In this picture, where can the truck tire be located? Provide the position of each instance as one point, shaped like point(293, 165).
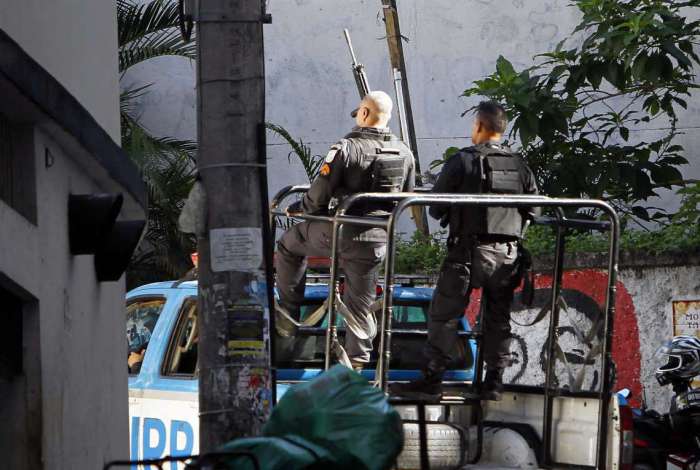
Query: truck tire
point(447, 446)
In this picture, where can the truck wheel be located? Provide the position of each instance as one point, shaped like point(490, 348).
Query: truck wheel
point(447, 446)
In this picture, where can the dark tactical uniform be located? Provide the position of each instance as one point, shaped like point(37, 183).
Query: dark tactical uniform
point(367, 159)
point(482, 250)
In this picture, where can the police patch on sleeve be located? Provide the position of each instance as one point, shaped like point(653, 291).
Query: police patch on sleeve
point(331, 153)
point(325, 169)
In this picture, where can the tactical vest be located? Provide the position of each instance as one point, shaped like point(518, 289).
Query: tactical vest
point(377, 164)
point(491, 170)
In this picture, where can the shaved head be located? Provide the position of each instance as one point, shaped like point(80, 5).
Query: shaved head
point(375, 110)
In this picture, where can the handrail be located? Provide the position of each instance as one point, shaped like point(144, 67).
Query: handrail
point(406, 200)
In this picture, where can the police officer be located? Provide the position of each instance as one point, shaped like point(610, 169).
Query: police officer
point(482, 250)
point(368, 159)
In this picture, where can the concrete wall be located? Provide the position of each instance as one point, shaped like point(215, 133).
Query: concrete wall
point(67, 38)
point(310, 88)
point(643, 321)
point(84, 410)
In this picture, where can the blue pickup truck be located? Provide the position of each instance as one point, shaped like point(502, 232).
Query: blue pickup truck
point(162, 332)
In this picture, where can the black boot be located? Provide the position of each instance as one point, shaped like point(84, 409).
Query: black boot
point(428, 387)
point(492, 389)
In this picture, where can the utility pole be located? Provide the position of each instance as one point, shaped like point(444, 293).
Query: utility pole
point(403, 99)
point(235, 382)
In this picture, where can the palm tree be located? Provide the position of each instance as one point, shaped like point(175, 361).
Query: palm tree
point(146, 31)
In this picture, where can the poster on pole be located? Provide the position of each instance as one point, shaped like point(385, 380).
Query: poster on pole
point(236, 249)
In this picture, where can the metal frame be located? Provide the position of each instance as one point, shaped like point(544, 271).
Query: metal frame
point(406, 200)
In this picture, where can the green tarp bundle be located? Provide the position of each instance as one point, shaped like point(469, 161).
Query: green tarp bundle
point(336, 420)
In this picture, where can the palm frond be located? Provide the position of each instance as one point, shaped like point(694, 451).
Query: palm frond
point(136, 20)
point(164, 43)
point(149, 151)
point(127, 98)
point(311, 163)
point(167, 164)
point(149, 30)
point(169, 172)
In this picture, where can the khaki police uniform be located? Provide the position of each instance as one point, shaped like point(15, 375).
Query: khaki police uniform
point(481, 253)
point(366, 160)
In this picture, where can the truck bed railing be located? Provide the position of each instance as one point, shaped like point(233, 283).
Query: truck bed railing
point(560, 223)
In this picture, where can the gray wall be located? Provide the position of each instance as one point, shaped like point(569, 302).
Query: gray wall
point(79, 335)
point(69, 408)
point(310, 88)
point(67, 38)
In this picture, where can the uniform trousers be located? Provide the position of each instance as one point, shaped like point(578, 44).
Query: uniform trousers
point(359, 261)
point(472, 263)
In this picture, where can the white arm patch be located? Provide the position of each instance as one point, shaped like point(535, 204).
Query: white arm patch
point(331, 153)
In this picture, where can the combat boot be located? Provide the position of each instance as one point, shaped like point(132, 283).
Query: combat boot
point(492, 388)
point(428, 387)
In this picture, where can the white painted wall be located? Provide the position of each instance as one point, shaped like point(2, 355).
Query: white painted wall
point(67, 38)
point(310, 87)
point(82, 350)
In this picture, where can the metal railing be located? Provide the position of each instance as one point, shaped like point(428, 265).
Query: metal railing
point(404, 201)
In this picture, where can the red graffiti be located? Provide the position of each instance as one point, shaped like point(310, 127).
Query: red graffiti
point(625, 349)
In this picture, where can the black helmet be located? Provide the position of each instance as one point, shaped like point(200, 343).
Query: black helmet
point(681, 360)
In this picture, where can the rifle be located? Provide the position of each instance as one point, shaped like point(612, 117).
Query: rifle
point(357, 69)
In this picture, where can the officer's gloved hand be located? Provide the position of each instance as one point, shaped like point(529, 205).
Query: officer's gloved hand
point(295, 209)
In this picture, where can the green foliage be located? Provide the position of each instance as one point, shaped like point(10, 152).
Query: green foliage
point(682, 234)
point(421, 254)
point(168, 165)
point(445, 156)
point(631, 64)
point(310, 162)
point(149, 30)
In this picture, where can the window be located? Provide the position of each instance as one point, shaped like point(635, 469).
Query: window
point(181, 358)
point(17, 179)
point(141, 317)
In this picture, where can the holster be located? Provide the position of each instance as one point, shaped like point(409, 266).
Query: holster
point(523, 272)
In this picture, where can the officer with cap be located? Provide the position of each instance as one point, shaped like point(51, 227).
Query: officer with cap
point(482, 251)
point(368, 159)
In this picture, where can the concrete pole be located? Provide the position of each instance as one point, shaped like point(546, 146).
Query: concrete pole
point(235, 384)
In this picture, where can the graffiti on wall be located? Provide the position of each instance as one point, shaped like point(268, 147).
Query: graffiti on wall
point(579, 331)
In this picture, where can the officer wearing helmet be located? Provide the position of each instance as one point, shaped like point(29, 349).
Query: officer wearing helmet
point(482, 252)
point(368, 159)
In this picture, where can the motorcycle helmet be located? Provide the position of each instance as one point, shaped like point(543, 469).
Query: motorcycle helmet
point(680, 358)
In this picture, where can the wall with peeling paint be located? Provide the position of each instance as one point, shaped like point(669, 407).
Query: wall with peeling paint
point(643, 320)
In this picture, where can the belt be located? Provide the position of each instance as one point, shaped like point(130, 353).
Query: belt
point(494, 238)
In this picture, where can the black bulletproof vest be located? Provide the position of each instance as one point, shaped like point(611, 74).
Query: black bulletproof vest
point(377, 163)
point(490, 170)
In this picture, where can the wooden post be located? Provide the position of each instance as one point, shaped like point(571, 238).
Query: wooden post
point(403, 99)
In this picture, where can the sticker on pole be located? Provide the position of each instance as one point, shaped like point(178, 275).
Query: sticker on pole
point(236, 249)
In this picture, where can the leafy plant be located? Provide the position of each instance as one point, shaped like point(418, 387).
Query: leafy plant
point(420, 254)
point(575, 112)
point(310, 162)
point(146, 31)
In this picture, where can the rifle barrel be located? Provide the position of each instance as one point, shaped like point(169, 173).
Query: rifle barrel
point(352, 52)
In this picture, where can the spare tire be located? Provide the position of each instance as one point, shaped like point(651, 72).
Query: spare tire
point(447, 446)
